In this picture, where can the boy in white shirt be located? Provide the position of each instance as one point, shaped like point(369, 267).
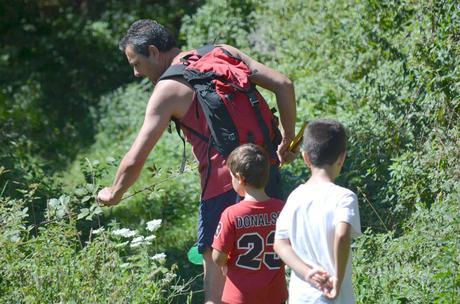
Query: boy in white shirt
point(319, 219)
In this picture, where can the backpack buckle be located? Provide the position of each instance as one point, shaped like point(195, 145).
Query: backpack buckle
point(254, 100)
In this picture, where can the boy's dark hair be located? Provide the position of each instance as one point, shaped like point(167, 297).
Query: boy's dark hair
point(145, 32)
point(324, 141)
point(251, 162)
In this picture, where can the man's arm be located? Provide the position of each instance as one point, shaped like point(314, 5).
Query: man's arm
point(283, 89)
point(315, 276)
point(170, 98)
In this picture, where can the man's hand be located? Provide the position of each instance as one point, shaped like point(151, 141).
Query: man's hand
point(284, 154)
point(107, 198)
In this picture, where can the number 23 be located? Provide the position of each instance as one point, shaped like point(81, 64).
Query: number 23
point(254, 245)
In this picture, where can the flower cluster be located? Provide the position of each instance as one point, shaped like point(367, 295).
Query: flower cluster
point(153, 225)
point(124, 232)
point(160, 257)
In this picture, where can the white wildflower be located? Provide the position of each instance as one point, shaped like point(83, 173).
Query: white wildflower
point(178, 288)
point(150, 238)
point(134, 245)
point(169, 276)
point(125, 265)
point(138, 239)
point(122, 244)
point(15, 237)
point(98, 231)
point(125, 232)
point(159, 257)
point(136, 242)
point(153, 225)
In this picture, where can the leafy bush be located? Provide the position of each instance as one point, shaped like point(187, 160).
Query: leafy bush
point(57, 261)
point(421, 266)
point(57, 59)
point(161, 191)
point(217, 22)
point(387, 70)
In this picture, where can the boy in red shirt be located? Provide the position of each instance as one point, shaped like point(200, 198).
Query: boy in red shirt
point(244, 237)
point(243, 243)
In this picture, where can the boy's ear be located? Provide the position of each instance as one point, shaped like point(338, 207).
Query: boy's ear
point(342, 158)
point(239, 178)
point(306, 159)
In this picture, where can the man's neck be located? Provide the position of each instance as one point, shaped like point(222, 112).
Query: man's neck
point(169, 56)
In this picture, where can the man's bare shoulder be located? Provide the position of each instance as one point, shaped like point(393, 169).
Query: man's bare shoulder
point(173, 88)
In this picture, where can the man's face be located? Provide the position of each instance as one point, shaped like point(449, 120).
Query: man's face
point(142, 66)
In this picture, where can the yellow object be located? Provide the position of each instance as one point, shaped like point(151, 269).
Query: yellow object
point(297, 139)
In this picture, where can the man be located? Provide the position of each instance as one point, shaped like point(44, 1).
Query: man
point(151, 50)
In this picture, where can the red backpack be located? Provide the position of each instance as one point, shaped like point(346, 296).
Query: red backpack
point(236, 113)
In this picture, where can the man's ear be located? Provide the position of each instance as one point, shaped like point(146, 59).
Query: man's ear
point(154, 51)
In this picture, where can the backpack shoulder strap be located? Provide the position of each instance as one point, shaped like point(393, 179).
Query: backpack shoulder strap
point(251, 93)
point(173, 71)
point(205, 49)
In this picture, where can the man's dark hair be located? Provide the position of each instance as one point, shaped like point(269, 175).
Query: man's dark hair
point(324, 141)
point(145, 32)
point(251, 162)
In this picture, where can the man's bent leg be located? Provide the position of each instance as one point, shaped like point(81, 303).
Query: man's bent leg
point(213, 280)
point(209, 216)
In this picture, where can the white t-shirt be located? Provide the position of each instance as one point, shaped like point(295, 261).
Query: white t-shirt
point(308, 220)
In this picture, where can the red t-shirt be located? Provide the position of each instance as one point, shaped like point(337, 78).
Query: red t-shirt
point(255, 274)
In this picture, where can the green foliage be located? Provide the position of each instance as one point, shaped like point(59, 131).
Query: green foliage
point(218, 21)
point(56, 261)
point(56, 59)
point(387, 69)
point(421, 266)
point(161, 191)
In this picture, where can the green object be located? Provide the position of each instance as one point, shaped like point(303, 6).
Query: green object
point(194, 256)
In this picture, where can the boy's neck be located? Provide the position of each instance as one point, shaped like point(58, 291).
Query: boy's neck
point(255, 194)
point(321, 175)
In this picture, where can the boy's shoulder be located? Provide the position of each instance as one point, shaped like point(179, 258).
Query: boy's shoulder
point(329, 189)
point(342, 191)
point(247, 206)
point(275, 201)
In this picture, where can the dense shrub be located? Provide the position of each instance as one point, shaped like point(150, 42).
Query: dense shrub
point(420, 266)
point(56, 59)
point(388, 71)
point(57, 261)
